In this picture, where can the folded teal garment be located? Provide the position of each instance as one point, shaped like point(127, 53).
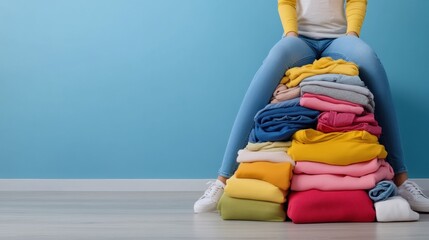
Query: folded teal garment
point(383, 190)
point(244, 209)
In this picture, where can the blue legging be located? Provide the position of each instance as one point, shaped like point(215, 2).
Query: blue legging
point(292, 52)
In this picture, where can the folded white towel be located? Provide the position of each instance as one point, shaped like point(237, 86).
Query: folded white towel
point(395, 209)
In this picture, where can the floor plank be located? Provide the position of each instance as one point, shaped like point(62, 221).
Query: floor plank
point(162, 215)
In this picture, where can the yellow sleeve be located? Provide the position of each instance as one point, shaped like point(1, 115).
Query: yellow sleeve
point(287, 12)
point(355, 13)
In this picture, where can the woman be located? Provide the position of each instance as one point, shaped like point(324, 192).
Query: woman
point(315, 29)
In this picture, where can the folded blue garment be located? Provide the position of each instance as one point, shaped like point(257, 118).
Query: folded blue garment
point(383, 190)
point(279, 121)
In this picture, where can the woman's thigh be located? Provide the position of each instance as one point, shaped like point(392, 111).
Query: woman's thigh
point(372, 72)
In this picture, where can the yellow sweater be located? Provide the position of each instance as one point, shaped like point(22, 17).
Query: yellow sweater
point(254, 189)
point(355, 15)
point(336, 148)
point(278, 174)
point(323, 65)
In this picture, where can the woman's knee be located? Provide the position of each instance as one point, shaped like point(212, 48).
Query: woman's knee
point(353, 49)
point(289, 51)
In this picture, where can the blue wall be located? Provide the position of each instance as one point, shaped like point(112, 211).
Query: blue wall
point(149, 89)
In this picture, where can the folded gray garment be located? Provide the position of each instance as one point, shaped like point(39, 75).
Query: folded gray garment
point(345, 92)
point(338, 78)
point(358, 89)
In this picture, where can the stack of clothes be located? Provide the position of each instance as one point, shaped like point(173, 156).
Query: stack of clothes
point(341, 160)
point(259, 187)
point(318, 141)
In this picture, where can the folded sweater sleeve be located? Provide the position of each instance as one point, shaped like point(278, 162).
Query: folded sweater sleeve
point(355, 14)
point(288, 17)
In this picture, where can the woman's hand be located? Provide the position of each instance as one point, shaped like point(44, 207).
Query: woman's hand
point(291, 34)
point(352, 34)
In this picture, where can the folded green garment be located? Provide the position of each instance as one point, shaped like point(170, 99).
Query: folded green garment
point(244, 209)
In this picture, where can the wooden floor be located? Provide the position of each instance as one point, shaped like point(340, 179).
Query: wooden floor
point(161, 215)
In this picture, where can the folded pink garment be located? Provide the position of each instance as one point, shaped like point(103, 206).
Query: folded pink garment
point(283, 93)
point(316, 206)
point(341, 122)
point(354, 170)
point(331, 182)
point(326, 104)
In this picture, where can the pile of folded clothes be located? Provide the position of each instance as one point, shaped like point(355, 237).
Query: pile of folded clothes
point(318, 141)
point(340, 166)
point(259, 187)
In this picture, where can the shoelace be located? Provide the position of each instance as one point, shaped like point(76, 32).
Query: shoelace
point(212, 190)
point(414, 189)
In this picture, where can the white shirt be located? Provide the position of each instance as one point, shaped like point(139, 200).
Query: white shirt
point(321, 18)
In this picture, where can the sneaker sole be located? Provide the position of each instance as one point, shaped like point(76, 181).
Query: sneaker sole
point(424, 209)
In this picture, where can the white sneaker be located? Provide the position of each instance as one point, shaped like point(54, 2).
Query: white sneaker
point(208, 202)
point(414, 195)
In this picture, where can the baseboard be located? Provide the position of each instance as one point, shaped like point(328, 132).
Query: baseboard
point(157, 185)
point(133, 185)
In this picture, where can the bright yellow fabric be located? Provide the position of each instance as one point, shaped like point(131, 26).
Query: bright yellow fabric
point(355, 15)
point(278, 174)
point(336, 148)
point(323, 65)
point(268, 146)
point(254, 189)
point(288, 17)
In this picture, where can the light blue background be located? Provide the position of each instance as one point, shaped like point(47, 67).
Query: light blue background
point(149, 89)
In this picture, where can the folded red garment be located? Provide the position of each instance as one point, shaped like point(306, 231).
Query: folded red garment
point(341, 122)
point(315, 206)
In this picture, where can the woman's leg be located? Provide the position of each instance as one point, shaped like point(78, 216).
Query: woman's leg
point(288, 52)
point(372, 72)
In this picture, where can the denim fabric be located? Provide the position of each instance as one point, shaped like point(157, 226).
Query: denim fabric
point(297, 51)
point(279, 121)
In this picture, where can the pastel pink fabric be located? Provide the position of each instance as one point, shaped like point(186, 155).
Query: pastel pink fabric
point(316, 206)
point(354, 170)
point(341, 122)
point(326, 104)
point(331, 182)
point(283, 93)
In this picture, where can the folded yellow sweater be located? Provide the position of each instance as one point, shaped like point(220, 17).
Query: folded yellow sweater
point(335, 148)
point(254, 189)
point(278, 174)
point(323, 65)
